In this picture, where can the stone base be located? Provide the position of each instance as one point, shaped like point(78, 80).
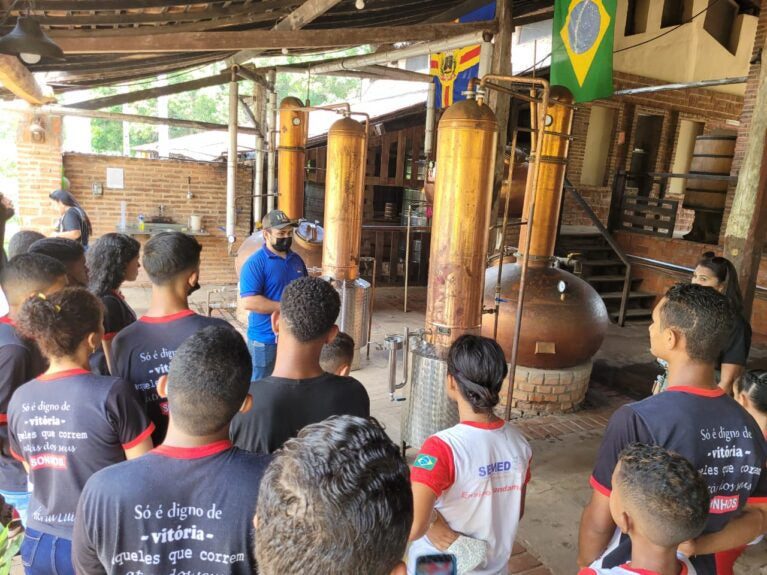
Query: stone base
point(545, 391)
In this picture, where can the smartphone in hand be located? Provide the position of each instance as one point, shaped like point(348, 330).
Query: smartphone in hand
point(442, 564)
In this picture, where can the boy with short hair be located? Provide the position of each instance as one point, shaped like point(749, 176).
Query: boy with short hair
point(337, 356)
point(335, 500)
point(143, 350)
point(693, 417)
point(299, 392)
point(659, 500)
point(20, 359)
point(21, 241)
point(187, 506)
point(68, 252)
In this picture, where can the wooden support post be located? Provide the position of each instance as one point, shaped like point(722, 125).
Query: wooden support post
point(747, 223)
point(16, 78)
point(501, 103)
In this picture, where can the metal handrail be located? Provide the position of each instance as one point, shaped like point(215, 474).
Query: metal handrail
point(613, 245)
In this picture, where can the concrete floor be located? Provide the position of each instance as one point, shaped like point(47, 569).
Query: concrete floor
point(561, 465)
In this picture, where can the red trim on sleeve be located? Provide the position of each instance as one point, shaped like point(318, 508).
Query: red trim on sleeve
point(757, 500)
point(481, 425)
point(441, 475)
point(528, 475)
point(3, 419)
point(141, 437)
point(599, 487)
point(63, 374)
point(167, 318)
point(6, 319)
point(193, 452)
point(718, 392)
point(109, 336)
point(587, 571)
point(16, 456)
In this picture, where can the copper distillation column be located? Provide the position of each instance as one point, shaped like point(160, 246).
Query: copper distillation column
point(344, 196)
point(548, 321)
point(466, 147)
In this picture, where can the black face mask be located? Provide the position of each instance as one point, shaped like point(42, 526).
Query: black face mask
point(282, 244)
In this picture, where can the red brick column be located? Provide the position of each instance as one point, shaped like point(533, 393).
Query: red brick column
point(39, 169)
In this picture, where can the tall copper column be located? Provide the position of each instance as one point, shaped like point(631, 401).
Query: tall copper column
point(292, 157)
point(466, 144)
point(467, 137)
point(344, 196)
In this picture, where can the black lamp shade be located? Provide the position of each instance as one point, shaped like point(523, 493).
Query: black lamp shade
point(28, 38)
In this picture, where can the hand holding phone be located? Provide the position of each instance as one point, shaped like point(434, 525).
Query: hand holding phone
point(442, 564)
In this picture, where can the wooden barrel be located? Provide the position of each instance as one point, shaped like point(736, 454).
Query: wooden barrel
point(712, 155)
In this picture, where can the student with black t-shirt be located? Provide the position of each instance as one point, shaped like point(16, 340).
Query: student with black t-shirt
point(187, 506)
point(74, 223)
point(142, 351)
point(68, 252)
point(693, 417)
point(20, 359)
point(112, 260)
point(68, 423)
point(299, 391)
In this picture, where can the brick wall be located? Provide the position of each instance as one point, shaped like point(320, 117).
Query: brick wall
point(149, 183)
point(686, 254)
point(700, 105)
point(39, 171)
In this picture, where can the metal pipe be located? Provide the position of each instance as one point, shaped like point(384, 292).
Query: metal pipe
point(512, 161)
point(394, 343)
point(372, 300)
point(428, 139)
point(231, 159)
point(385, 56)
point(271, 120)
point(407, 252)
point(681, 86)
point(258, 183)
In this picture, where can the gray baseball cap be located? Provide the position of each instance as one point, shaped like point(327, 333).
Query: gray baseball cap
point(276, 219)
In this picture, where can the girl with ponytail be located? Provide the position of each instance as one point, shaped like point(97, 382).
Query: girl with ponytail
point(719, 273)
point(471, 478)
point(68, 423)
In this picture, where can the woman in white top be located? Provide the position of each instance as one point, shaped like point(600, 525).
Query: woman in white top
point(475, 473)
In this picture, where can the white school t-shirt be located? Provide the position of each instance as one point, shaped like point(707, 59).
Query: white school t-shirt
point(478, 473)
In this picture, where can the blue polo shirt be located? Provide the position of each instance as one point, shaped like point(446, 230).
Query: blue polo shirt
point(265, 273)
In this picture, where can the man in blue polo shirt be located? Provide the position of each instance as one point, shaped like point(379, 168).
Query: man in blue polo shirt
point(263, 277)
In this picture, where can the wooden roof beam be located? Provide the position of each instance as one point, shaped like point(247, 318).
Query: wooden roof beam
point(17, 79)
point(309, 11)
point(269, 39)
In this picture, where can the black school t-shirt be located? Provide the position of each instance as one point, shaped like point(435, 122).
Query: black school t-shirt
point(713, 432)
point(20, 361)
point(283, 407)
point(66, 426)
point(117, 315)
point(173, 511)
point(739, 343)
point(142, 351)
point(73, 220)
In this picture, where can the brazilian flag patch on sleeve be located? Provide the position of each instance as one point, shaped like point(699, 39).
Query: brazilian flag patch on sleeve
point(426, 462)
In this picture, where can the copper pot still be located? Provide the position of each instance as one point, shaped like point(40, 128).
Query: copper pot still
point(515, 192)
point(559, 330)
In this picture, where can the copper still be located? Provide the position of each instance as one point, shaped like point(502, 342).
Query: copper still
point(563, 320)
point(467, 138)
point(344, 197)
point(291, 152)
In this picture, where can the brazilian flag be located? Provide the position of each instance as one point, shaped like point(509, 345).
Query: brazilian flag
point(582, 47)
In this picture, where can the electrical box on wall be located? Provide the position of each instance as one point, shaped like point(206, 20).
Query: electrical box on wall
point(97, 188)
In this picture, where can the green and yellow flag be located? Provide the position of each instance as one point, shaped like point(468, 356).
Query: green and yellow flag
point(582, 47)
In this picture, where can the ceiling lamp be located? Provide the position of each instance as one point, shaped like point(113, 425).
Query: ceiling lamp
point(359, 4)
point(28, 41)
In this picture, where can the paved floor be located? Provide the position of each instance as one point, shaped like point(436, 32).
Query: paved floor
point(564, 446)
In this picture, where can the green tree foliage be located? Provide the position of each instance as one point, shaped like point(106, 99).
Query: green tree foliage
point(211, 104)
